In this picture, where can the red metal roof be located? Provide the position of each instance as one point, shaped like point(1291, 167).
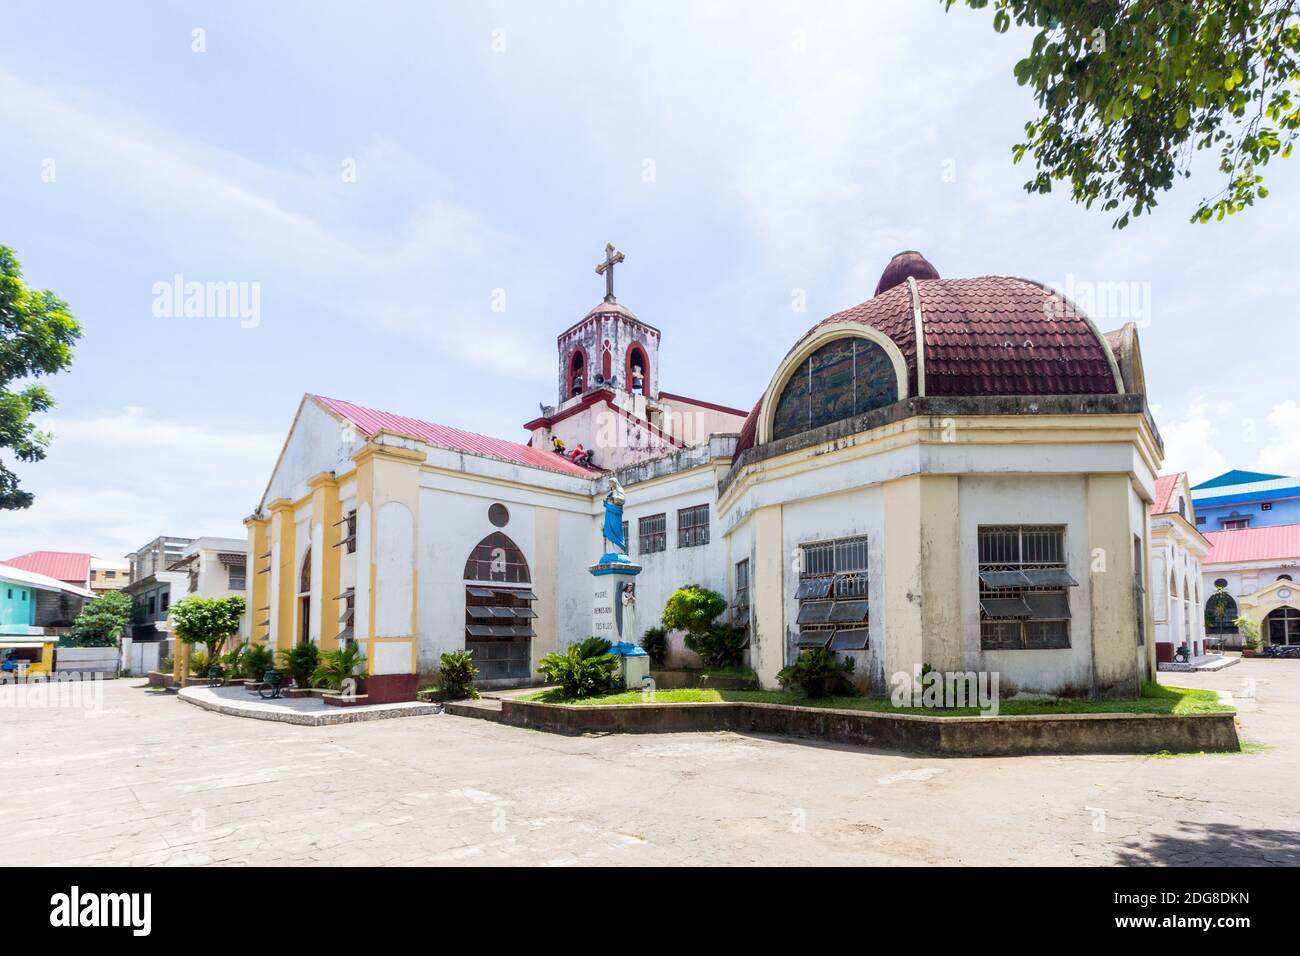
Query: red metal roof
point(369, 422)
point(1276, 543)
point(70, 566)
point(1165, 486)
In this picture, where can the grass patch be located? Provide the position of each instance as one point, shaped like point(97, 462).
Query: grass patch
point(735, 672)
point(1155, 699)
point(1247, 747)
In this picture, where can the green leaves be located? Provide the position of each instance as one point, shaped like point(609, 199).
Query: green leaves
point(1129, 91)
point(102, 621)
point(36, 336)
point(210, 621)
point(580, 671)
point(692, 609)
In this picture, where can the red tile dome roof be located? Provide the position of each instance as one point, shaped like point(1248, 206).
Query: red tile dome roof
point(994, 335)
point(901, 267)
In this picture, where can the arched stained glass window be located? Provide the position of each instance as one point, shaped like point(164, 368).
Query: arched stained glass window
point(844, 378)
point(497, 558)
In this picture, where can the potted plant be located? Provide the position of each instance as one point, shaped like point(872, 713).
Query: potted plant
point(337, 667)
point(300, 661)
point(1249, 632)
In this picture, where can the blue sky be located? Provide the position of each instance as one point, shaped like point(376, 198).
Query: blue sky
point(736, 152)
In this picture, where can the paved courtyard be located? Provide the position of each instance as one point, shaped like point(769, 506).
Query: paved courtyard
point(153, 780)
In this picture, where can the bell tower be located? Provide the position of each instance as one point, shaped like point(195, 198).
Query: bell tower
point(610, 349)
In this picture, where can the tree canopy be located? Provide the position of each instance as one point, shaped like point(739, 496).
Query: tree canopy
point(1130, 90)
point(102, 621)
point(210, 621)
point(36, 336)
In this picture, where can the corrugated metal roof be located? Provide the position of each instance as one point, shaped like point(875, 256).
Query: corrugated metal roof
point(42, 582)
point(70, 566)
point(1165, 486)
point(370, 421)
point(1276, 543)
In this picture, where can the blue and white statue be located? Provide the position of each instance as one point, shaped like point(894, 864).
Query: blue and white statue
point(613, 529)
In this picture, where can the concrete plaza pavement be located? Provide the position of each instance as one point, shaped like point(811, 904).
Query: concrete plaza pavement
point(148, 779)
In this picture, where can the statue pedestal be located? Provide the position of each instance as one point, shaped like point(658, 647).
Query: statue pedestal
point(615, 621)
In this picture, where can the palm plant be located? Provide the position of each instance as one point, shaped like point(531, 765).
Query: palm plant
point(335, 667)
point(301, 662)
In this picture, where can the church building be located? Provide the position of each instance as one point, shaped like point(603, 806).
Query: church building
point(955, 473)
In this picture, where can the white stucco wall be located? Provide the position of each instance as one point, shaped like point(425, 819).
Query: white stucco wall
point(1028, 500)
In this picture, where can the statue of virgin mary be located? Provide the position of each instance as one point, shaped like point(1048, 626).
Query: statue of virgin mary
point(613, 529)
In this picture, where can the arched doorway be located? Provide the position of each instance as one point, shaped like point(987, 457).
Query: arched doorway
point(499, 609)
point(1221, 613)
point(1282, 627)
point(304, 597)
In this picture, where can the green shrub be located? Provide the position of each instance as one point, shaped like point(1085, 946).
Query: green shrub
point(456, 675)
point(819, 673)
point(300, 661)
point(584, 670)
point(167, 665)
point(199, 663)
point(233, 660)
point(101, 621)
point(337, 666)
point(655, 643)
point(719, 645)
point(692, 609)
point(256, 660)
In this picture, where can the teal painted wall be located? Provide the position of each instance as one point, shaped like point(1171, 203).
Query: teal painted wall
point(17, 605)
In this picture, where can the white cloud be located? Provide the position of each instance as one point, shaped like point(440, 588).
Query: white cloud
point(1192, 443)
point(1280, 452)
point(117, 479)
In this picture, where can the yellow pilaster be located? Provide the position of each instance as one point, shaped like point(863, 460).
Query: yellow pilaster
point(259, 579)
point(903, 580)
point(941, 571)
point(286, 604)
point(326, 512)
point(1114, 614)
point(767, 585)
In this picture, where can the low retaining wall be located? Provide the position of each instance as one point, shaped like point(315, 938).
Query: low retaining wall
point(86, 660)
point(950, 736)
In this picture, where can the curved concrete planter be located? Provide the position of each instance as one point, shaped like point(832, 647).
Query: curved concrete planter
point(285, 713)
point(950, 736)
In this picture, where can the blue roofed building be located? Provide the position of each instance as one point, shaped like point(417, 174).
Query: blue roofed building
point(1246, 499)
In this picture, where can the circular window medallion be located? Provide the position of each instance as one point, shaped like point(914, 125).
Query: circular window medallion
point(1284, 593)
point(498, 515)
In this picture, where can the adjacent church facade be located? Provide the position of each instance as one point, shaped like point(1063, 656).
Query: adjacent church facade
point(955, 473)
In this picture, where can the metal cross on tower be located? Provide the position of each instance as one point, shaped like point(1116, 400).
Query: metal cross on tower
point(606, 269)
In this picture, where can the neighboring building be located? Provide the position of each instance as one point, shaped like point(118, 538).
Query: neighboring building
point(70, 567)
point(1246, 499)
point(158, 555)
point(927, 478)
point(1177, 551)
point(206, 566)
point(217, 567)
point(34, 608)
point(1257, 569)
point(30, 602)
point(107, 574)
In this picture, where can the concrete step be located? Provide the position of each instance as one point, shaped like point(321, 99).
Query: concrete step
point(486, 708)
